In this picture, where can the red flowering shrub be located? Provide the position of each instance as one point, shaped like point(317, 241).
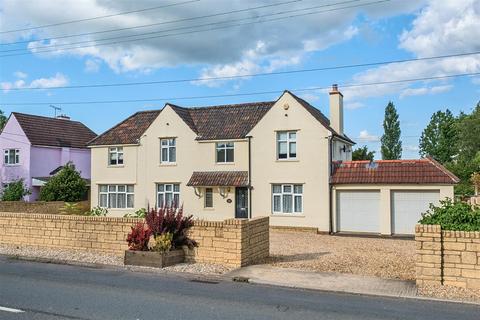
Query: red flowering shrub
point(138, 238)
point(171, 220)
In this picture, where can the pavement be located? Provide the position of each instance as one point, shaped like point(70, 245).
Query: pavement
point(326, 281)
point(39, 291)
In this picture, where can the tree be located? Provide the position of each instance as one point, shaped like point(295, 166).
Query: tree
point(391, 145)
point(3, 120)
point(67, 185)
point(363, 154)
point(15, 191)
point(439, 138)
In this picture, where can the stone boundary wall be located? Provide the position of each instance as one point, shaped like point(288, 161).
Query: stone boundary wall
point(447, 257)
point(41, 207)
point(233, 242)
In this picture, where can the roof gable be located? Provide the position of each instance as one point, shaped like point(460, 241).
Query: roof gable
point(128, 131)
point(421, 171)
point(52, 132)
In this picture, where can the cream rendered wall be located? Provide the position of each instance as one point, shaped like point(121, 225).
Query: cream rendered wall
point(338, 153)
point(142, 166)
point(310, 169)
point(385, 214)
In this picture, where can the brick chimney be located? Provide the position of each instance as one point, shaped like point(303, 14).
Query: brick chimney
point(336, 109)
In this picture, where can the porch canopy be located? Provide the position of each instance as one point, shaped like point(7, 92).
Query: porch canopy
point(218, 179)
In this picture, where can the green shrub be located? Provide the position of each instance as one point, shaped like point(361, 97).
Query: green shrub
point(15, 191)
point(67, 185)
point(97, 212)
point(71, 208)
point(140, 213)
point(453, 216)
point(163, 242)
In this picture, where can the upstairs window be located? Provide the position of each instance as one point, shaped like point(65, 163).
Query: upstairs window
point(225, 151)
point(168, 194)
point(115, 156)
point(168, 152)
point(208, 197)
point(287, 198)
point(286, 145)
point(12, 156)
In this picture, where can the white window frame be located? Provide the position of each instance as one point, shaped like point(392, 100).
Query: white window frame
point(289, 141)
point(115, 190)
point(7, 155)
point(205, 205)
point(293, 193)
point(117, 151)
point(225, 146)
point(168, 144)
point(174, 191)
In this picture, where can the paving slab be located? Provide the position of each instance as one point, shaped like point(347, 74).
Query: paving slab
point(327, 281)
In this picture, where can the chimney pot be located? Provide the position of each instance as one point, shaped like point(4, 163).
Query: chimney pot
point(334, 87)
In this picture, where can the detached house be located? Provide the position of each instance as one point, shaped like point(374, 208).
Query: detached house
point(278, 158)
point(35, 147)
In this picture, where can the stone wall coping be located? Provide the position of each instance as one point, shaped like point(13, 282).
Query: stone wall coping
point(68, 217)
point(428, 228)
point(419, 228)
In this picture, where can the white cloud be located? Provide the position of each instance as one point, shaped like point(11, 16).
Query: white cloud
point(20, 75)
point(92, 66)
point(364, 136)
point(219, 52)
point(425, 90)
point(441, 28)
point(44, 83)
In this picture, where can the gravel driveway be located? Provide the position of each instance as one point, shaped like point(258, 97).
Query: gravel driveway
point(386, 258)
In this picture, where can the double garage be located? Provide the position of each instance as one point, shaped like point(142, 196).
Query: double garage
point(382, 211)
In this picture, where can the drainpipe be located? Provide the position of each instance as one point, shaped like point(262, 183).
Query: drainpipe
point(250, 177)
point(330, 186)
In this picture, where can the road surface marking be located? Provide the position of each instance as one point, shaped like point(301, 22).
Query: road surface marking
point(11, 310)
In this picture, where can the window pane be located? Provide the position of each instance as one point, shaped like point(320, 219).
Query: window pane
point(298, 188)
point(171, 142)
point(121, 200)
point(287, 203)
point(112, 200)
point(176, 199)
point(103, 201)
point(229, 155)
point(160, 200)
point(168, 199)
point(168, 187)
point(122, 188)
point(282, 150)
point(277, 188)
point(17, 158)
point(277, 206)
point(208, 198)
point(221, 155)
point(6, 158)
point(282, 136)
point(112, 188)
point(176, 188)
point(103, 188)
point(229, 145)
point(293, 150)
point(173, 156)
point(287, 188)
point(298, 203)
point(160, 187)
point(164, 154)
point(129, 188)
point(130, 201)
point(220, 145)
point(120, 158)
point(113, 158)
point(292, 135)
point(164, 142)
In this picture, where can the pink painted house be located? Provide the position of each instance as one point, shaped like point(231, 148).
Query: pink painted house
point(34, 147)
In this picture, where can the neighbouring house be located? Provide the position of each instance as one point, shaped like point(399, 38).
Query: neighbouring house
point(276, 158)
point(36, 147)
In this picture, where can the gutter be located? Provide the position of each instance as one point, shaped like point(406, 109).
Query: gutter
point(330, 185)
point(249, 176)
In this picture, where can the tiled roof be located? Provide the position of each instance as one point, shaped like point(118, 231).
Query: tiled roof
point(128, 131)
point(219, 178)
point(225, 121)
point(233, 121)
point(422, 171)
point(53, 132)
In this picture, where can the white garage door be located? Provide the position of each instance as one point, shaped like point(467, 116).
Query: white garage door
point(358, 211)
point(407, 208)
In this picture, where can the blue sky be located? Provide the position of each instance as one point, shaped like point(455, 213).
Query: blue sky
point(369, 32)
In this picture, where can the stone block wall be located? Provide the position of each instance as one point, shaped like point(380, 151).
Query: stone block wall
point(447, 257)
point(233, 242)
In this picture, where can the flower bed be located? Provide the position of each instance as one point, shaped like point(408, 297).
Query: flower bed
point(154, 258)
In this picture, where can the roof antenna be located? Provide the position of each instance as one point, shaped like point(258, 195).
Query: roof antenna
point(55, 109)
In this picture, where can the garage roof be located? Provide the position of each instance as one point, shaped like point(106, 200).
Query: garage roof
point(421, 171)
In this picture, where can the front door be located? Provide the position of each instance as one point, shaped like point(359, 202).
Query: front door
point(241, 203)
